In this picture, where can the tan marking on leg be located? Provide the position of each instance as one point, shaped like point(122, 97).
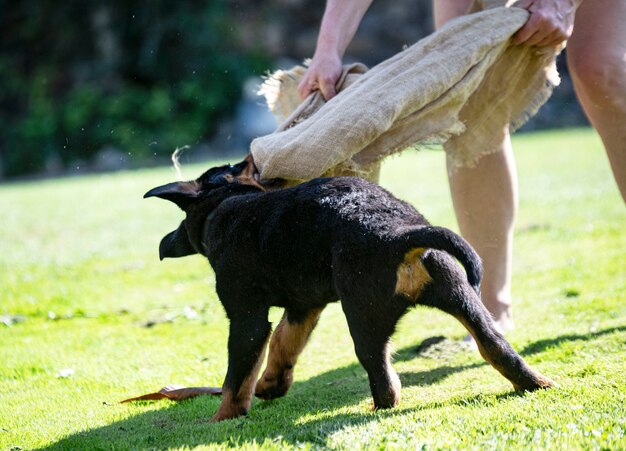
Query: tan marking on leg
point(482, 350)
point(237, 404)
point(287, 343)
point(411, 275)
point(527, 380)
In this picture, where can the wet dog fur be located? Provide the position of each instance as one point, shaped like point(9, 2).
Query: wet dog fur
point(303, 247)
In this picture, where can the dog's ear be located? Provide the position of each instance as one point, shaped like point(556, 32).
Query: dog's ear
point(176, 244)
point(181, 193)
point(249, 174)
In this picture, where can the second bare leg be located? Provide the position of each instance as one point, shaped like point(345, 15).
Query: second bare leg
point(485, 202)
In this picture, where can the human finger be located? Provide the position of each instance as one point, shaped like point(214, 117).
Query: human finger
point(327, 86)
point(306, 86)
point(546, 26)
point(551, 40)
point(531, 32)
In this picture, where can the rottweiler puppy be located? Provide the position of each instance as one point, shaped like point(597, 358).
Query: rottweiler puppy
point(325, 240)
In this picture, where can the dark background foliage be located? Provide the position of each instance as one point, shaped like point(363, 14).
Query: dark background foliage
point(144, 77)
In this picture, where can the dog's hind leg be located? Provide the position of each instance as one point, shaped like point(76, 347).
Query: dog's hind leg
point(371, 330)
point(288, 341)
point(496, 350)
point(246, 348)
point(451, 293)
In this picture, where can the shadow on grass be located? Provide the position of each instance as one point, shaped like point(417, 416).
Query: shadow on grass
point(542, 345)
point(311, 412)
point(308, 414)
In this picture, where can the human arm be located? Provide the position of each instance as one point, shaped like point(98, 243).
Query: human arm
point(550, 23)
point(339, 24)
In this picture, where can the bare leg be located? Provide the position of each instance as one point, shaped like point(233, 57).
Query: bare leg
point(485, 203)
point(287, 343)
point(597, 61)
point(445, 10)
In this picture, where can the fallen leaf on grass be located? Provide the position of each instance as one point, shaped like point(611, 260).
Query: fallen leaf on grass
point(178, 393)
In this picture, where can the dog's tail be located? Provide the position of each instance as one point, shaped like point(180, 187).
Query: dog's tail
point(446, 240)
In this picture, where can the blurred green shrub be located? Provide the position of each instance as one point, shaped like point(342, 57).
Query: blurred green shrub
point(145, 77)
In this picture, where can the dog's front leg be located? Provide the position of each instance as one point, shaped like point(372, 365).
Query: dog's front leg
point(246, 348)
point(288, 341)
point(371, 331)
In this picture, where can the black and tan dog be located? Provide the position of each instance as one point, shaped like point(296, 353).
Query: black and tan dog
point(302, 247)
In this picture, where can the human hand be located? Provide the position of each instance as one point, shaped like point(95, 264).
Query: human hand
point(550, 23)
point(322, 75)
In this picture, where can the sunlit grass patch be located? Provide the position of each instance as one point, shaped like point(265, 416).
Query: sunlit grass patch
point(90, 316)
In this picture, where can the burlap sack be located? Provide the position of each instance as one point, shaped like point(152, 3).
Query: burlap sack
point(459, 86)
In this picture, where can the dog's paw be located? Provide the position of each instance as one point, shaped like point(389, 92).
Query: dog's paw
point(230, 410)
point(267, 391)
point(538, 382)
point(545, 382)
point(221, 416)
point(271, 387)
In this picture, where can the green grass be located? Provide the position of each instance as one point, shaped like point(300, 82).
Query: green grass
point(80, 276)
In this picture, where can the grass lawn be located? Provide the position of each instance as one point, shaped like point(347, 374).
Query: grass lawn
point(91, 317)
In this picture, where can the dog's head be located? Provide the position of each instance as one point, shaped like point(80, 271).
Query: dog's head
point(185, 194)
point(190, 193)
